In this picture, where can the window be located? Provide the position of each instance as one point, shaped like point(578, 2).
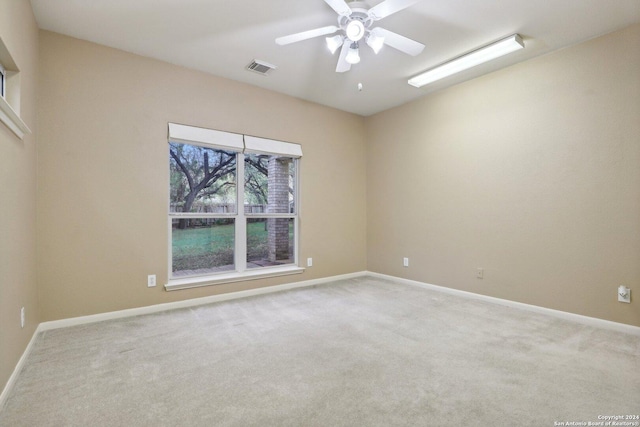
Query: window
point(233, 206)
point(269, 208)
point(202, 209)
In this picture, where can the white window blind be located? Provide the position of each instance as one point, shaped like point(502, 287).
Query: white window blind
point(232, 141)
point(216, 138)
point(269, 146)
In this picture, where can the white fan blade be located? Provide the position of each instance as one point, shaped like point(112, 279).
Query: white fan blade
point(343, 65)
point(340, 6)
point(297, 37)
point(389, 7)
point(396, 41)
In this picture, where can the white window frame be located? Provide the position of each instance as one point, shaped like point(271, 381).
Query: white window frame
point(240, 144)
point(10, 99)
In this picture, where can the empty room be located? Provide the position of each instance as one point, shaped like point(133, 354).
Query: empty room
point(319, 213)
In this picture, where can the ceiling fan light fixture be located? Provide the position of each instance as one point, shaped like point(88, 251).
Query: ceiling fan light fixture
point(334, 43)
point(479, 56)
point(355, 27)
point(355, 30)
point(375, 42)
point(353, 56)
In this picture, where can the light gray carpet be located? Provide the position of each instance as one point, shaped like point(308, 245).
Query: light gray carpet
point(361, 352)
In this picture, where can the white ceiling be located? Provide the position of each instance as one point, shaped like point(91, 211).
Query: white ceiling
point(222, 37)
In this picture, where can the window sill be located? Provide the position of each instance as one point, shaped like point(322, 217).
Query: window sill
point(12, 120)
point(196, 282)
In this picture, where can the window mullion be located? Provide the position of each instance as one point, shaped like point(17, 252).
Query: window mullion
point(241, 222)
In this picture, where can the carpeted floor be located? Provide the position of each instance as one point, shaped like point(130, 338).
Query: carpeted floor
point(360, 352)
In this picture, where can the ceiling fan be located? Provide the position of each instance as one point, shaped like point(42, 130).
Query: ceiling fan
point(355, 21)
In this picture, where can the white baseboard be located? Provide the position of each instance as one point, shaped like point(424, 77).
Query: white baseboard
point(63, 323)
point(578, 318)
point(586, 320)
point(16, 371)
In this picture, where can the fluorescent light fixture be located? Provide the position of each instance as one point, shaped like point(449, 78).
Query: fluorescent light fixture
point(375, 42)
point(334, 43)
point(471, 59)
point(353, 56)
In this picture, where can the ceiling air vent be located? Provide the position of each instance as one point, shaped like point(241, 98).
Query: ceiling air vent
point(261, 67)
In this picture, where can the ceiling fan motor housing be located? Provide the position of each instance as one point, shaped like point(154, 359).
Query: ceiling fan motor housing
point(357, 23)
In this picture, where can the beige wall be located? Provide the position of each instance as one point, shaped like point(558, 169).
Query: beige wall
point(18, 194)
point(103, 174)
point(532, 173)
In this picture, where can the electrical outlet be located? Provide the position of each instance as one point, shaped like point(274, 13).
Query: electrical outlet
point(624, 294)
point(480, 273)
point(151, 280)
point(22, 317)
point(405, 262)
point(309, 262)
